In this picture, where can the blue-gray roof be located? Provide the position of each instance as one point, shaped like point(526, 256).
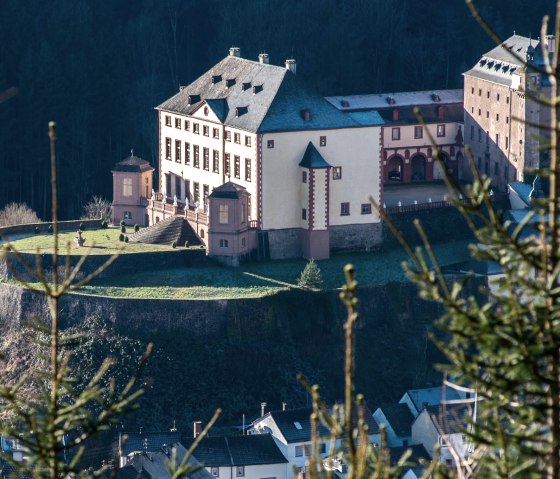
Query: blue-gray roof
point(313, 159)
point(366, 118)
point(146, 441)
point(257, 97)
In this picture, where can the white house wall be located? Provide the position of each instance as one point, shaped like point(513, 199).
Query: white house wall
point(261, 471)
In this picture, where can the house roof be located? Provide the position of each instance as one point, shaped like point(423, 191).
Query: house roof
point(429, 113)
point(228, 190)
point(418, 452)
point(130, 472)
point(313, 159)
point(155, 465)
point(257, 97)
point(399, 418)
point(430, 396)
point(238, 450)
point(295, 424)
point(133, 164)
point(146, 441)
point(450, 418)
point(390, 101)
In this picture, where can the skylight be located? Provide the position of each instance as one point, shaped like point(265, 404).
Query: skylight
point(298, 425)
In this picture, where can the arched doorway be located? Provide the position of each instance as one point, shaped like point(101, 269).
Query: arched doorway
point(418, 163)
point(395, 168)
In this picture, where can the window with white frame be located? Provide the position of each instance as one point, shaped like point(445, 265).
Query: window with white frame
point(441, 130)
point(224, 214)
point(224, 244)
point(127, 187)
point(337, 173)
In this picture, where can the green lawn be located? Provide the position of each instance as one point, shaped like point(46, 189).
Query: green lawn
point(259, 279)
point(100, 241)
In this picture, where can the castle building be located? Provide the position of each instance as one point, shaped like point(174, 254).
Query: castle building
point(407, 149)
point(306, 167)
point(501, 114)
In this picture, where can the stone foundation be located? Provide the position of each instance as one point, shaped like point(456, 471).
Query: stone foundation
point(360, 237)
point(285, 243)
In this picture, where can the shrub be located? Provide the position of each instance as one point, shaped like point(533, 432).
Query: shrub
point(122, 223)
point(37, 230)
point(121, 237)
point(174, 244)
point(97, 208)
point(82, 226)
point(310, 277)
point(136, 228)
point(126, 239)
point(123, 229)
point(17, 214)
point(104, 224)
point(187, 244)
point(50, 228)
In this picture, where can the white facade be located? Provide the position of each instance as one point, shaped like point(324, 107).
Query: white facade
point(261, 471)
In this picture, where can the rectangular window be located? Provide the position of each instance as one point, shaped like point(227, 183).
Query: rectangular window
point(303, 214)
point(418, 132)
point(247, 140)
point(479, 112)
point(228, 135)
point(223, 243)
point(488, 94)
point(487, 114)
point(507, 99)
point(507, 120)
point(205, 130)
point(237, 138)
point(237, 167)
point(178, 186)
point(216, 161)
point(498, 97)
point(270, 144)
point(479, 135)
point(304, 176)
point(187, 191)
point(187, 125)
point(472, 90)
point(366, 208)
point(479, 92)
point(507, 142)
point(344, 209)
point(299, 451)
point(337, 173)
point(196, 162)
point(187, 153)
point(215, 133)
point(247, 169)
point(240, 471)
point(206, 158)
point(178, 151)
point(196, 193)
point(322, 141)
point(472, 132)
point(205, 192)
point(226, 166)
point(224, 214)
point(441, 130)
point(167, 184)
point(497, 117)
point(396, 133)
point(215, 471)
point(498, 140)
point(167, 120)
point(178, 123)
point(195, 128)
point(168, 148)
point(127, 187)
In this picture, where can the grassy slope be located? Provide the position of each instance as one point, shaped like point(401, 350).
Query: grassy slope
point(260, 279)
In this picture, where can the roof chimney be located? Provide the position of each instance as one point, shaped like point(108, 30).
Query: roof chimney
point(235, 52)
point(395, 115)
point(263, 408)
point(441, 112)
point(284, 406)
point(197, 428)
point(550, 43)
point(263, 58)
point(291, 65)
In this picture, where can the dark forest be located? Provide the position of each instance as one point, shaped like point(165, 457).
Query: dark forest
point(98, 68)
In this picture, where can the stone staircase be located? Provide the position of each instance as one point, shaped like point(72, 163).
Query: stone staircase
point(175, 228)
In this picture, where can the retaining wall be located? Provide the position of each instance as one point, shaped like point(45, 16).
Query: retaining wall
point(29, 228)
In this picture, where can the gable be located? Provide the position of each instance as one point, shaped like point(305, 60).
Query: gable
point(204, 111)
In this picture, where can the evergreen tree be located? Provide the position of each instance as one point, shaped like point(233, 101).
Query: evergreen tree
point(310, 277)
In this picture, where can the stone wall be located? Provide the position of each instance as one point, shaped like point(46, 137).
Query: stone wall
point(358, 237)
point(285, 243)
point(29, 228)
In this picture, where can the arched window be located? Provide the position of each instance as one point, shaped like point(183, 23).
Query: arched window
point(394, 168)
point(418, 163)
point(127, 187)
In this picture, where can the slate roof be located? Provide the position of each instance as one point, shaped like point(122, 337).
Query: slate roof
point(228, 190)
point(133, 164)
point(380, 101)
point(173, 229)
point(264, 98)
point(431, 396)
point(499, 64)
point(130, 472)
point(418, 452)
point(313, 159)
point(155, 465)
point(146, 441)
point(399, 417)
point(248, 450)
point(450, 418)
point(430, 114)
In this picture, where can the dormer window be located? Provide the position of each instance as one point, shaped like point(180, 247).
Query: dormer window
point(230, 82)
point(257, 89)
point(345, 103)
point(435, 98)
point(193, 99)
point(245, 86)
point(216, 79)
point(297, 425)
point(241, 110)
point(390, 100)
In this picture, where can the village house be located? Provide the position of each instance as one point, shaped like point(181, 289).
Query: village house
point(308, 169)
point(407, 150)
point(500, 111)
point(397, 421)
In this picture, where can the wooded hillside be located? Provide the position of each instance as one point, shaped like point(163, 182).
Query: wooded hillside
point(99, 68)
